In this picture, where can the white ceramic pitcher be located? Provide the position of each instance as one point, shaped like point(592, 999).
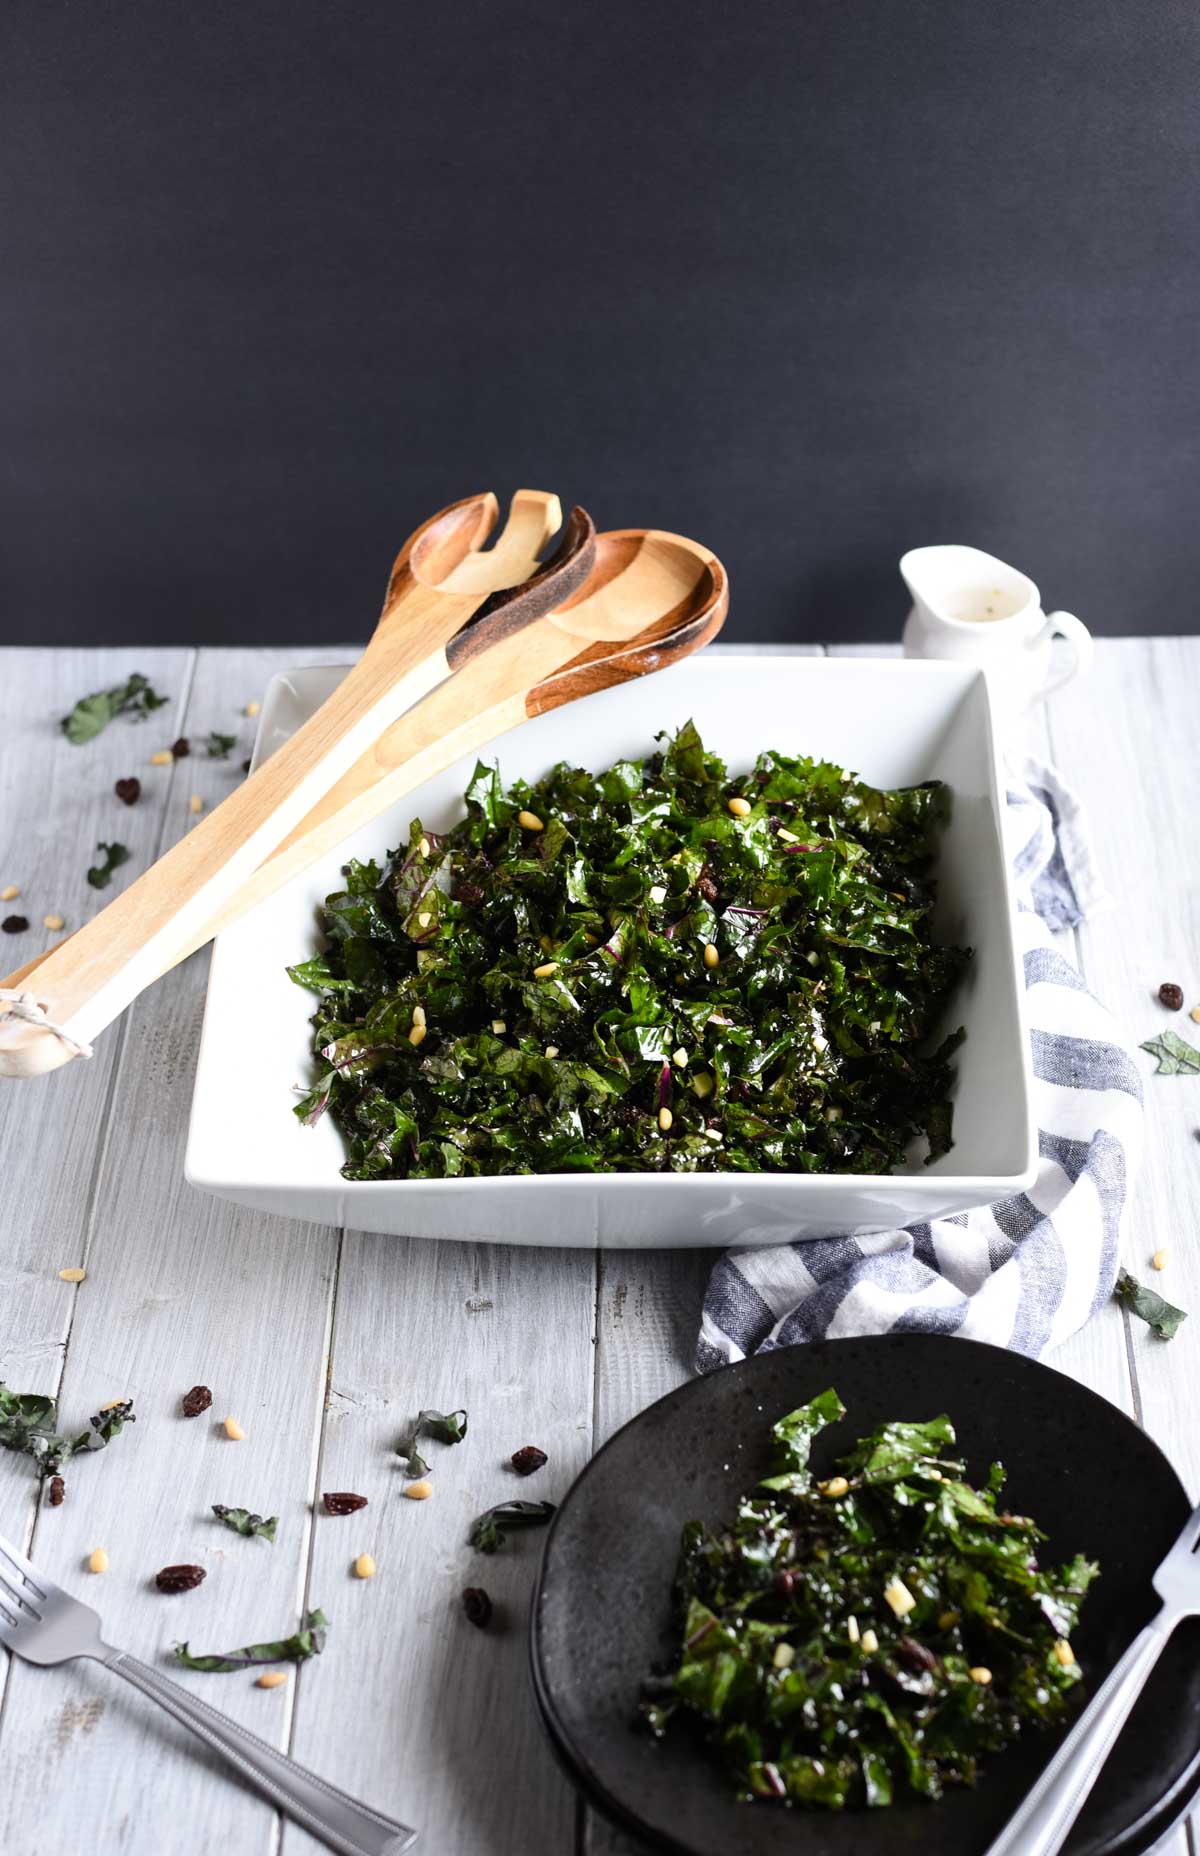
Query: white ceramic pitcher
point(969, 606)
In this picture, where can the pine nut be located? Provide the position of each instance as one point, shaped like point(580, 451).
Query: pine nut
point(272, 1678)
point(364, 1567)
point(852, 1630)
point(679, 1058)
point(72, 1275)
point(530, 821)
point(898, 1596)
point(980, 1674)
point(658, 894)
point(418, 1014)
point(234, 1430)
point(98, 1560)
point(836, 1485)
point(498, 1027)
point(53, 923)
point(714, 1135)
point(702, 1083)
point(665, 1118)
point(1194, 1014)
point(1159, 1260)
point(786, 837)
point(784, 1656)
point(419, 1491)
point(196, 803)
point(418, 1034)
point(741, 808)
point(711, 956)
point(424, 918)
point(1064, 1653)
point(552, 1050)
point(163, 758)
point(870, 1643)
point(423, 847)
point(9, 893)
point(544, 972)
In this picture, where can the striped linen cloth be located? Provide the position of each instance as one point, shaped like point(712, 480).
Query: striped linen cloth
point(1025, 1273)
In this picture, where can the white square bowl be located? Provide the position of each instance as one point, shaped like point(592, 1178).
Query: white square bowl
point(893, 722)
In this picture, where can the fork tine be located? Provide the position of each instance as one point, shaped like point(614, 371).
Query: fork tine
point(17, 1591)
point(17, 1598)
point(25, 1567)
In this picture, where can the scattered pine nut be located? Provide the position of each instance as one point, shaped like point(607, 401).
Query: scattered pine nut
point(1159, 1260)
point(53, 923)
point(74, 1274)
point(544, 972)
point(418, 1033)
point(552, 1050)
point(870, 1643)
point(498, 1027)
point(980, 1674)
point(713, 1134)
point(113, 1403)
point(195, 803)
point(836, 1485)
point(741, 808)
point(711, 956)
point(423, 847)
point(418, 1014)
point(665, 1118)
point(530, 821)
point(234, 1430)
point(1194, 1014)
point(787, 837)
point(658, 894)
point(98, 1560)
point(1064, 1653)
point(702, 1083)
point(852, 1630)
point(252, 708)
point(9, 893)
point(679, 1058)
point(419, 1491)
point(898, 1596)
point(424, 919)
point(784, 1656)
point(364, 1567)
point(271, 1678)
point(163, 758)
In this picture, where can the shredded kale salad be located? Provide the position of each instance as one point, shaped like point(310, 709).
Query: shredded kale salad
point(657, 968)
point(871, 1636)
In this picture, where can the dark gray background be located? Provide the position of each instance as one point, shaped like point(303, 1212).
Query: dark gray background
point(811, 280)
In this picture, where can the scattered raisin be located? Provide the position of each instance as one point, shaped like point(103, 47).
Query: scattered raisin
point(1171, 996)
point(58, 1489)
point(179, 1578)
point(785, 1582)
point(197, 1400)
point(15, 924)
point(706, 884)
point(478, 1606)
point(129, 790)
point(180, 749)
point(915, 1656)
point(342, 1502)
point(468, 892)
point(527, 1460)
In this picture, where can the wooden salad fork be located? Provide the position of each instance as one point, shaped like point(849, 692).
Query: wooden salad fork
point(651, 599)
point(428, 631)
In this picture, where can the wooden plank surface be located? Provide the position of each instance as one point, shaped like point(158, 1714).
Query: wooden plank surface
point(324, 1344)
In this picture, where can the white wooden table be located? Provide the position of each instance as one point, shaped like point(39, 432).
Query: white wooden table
point(324, 1343)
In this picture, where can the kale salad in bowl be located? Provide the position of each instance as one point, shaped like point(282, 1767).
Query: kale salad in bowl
point(684, 966)
point(663, 966)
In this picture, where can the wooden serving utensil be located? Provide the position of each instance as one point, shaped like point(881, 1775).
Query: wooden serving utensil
point(427, 632)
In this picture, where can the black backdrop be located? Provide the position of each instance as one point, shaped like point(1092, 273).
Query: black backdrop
point(812, 280)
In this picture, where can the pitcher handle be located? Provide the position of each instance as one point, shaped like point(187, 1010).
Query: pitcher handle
point(1066, 625)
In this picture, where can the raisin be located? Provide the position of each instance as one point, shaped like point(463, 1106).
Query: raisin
point(58, 1489)
point(340, 1501)
point(1171, 996)
point(706, 885)
point(785, 1583)
point(197, 1400)
point(527, 1460)
point(478, 1606)
point(466, 891)
point(179, 1578)
point(129, 790)
point(915, 1656)
point(181, 749)
point(15, 924)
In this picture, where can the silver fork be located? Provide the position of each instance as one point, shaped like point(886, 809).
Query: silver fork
point(1041, 1826)
point(44, 1624)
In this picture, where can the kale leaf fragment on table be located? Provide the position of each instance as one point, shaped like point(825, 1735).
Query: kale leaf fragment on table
point(497, 999)
point(490, 1530)
point(27, 1425)
point(446, 1427)
point(1160, 1315)
point(243, 1521)
point(1176, 1057)
point(308, 1641)
point(92, 714)
point(871, 1636)
point(115, 854)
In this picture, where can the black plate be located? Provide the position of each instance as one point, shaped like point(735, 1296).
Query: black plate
point(1093, 1481)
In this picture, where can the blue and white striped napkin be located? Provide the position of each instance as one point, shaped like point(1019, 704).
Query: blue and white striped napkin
point(1025, 1273)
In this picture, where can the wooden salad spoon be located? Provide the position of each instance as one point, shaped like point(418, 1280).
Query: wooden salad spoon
point(427, 632)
